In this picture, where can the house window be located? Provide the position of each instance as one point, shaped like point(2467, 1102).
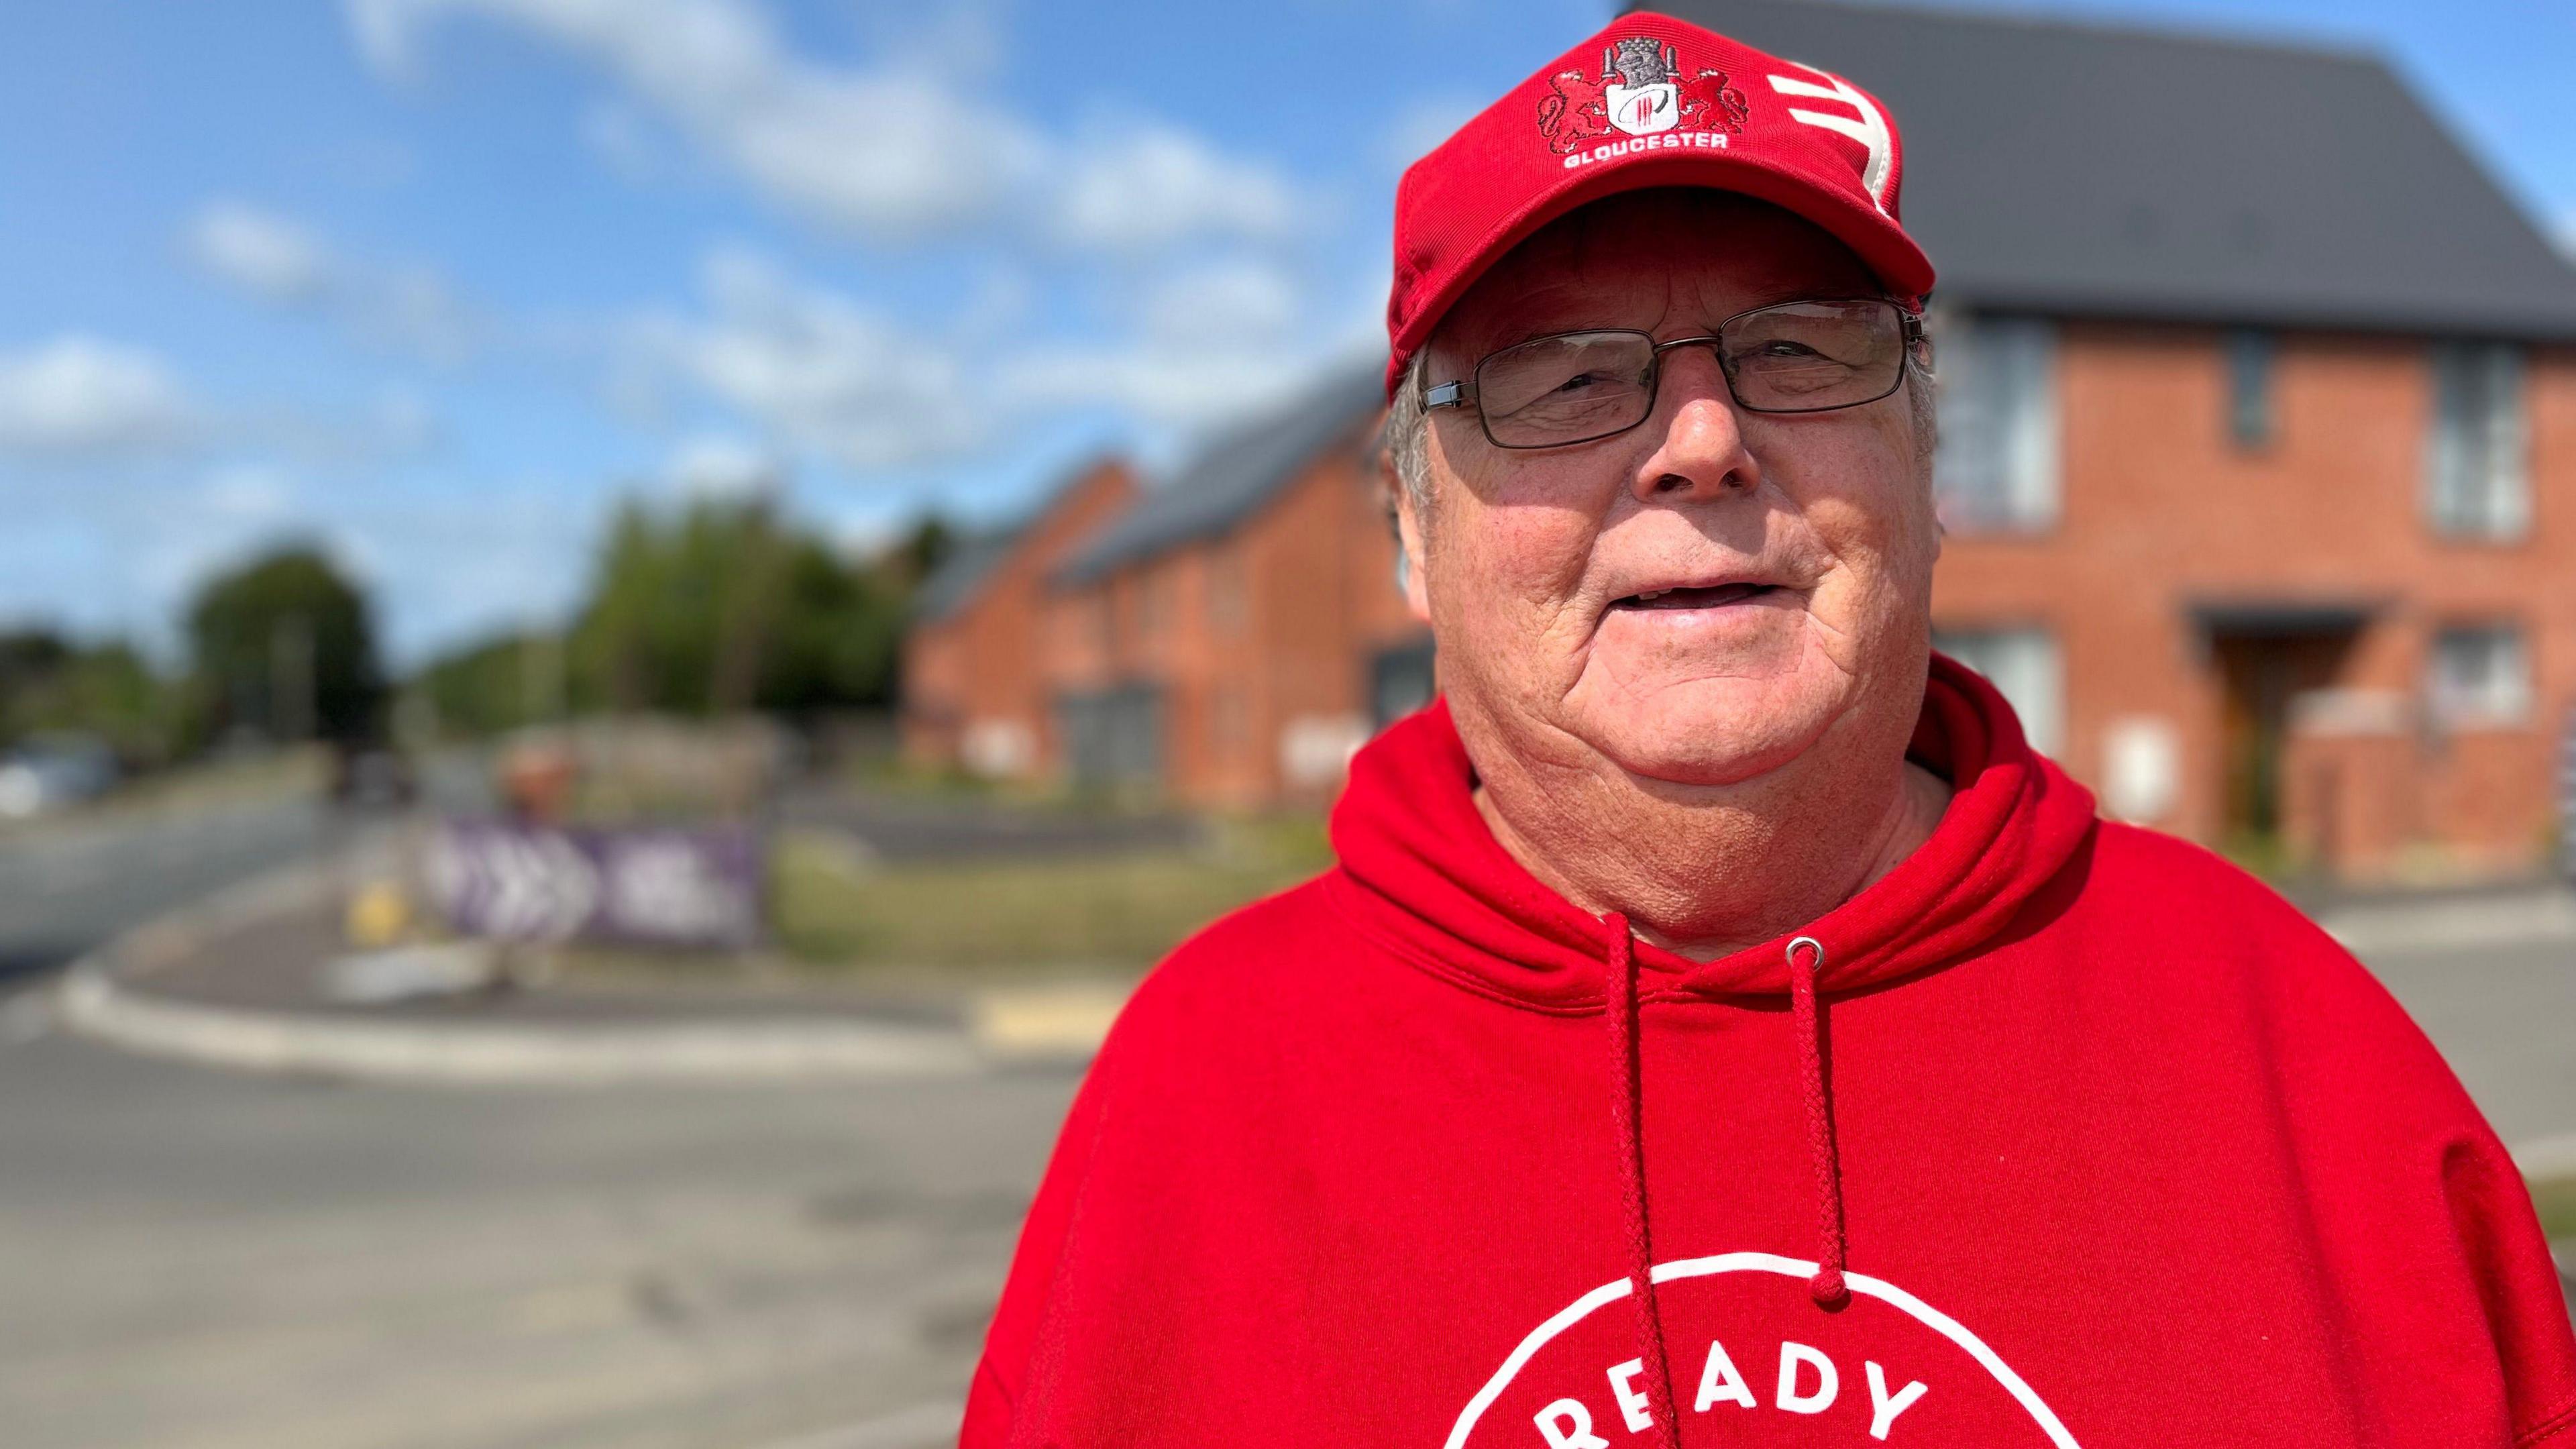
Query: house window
point(2477, 459)
point(2249, 387)
point(1998, 462)
point(2481, 675)
point(1402, 679)
point(1225, 591)
point(2026, 667)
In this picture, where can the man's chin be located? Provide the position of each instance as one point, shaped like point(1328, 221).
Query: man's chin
point(1696, 748)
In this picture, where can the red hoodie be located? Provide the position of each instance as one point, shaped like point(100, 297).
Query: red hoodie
point(2061, 1133)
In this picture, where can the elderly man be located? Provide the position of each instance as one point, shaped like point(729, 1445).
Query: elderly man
point(1721, 1027)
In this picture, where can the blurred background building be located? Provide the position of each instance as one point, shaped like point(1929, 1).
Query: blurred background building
point(1227, 639)
point(2258, 462)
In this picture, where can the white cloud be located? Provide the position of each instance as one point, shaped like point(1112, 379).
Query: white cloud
point(248, 492)
point(402, 421)
point(818, 369)
point(818, 373)
point(624, 139)
point(1242, 298)
point(889, 153)
point(409, 308)
point(260, 252)
point(1141, 185)
point(415, 310)
point(1166, 385)
point(877, 153)
point(1422, 125)
point(1211, 341)
point(725, 467)
point(83, 396)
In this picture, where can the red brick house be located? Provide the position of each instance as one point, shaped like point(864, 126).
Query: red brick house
point(973, 696)
point(2258, 404)
point(1236, 634)
point(2259, 429)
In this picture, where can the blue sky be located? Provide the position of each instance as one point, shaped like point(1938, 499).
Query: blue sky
point(436, 281)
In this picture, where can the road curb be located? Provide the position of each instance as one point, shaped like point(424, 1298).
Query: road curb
point(1044, 1026)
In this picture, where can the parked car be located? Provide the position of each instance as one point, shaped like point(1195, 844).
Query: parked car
point(51, 772)
point(372, 776)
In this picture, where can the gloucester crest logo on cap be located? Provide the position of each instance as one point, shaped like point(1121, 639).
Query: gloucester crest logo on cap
point(1640, 92)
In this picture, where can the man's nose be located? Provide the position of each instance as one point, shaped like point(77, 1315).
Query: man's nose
point(1701, 452)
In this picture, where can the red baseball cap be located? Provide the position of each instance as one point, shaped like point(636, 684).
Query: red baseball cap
point(1648, 101)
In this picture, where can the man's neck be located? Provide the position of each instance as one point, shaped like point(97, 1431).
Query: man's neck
point(1710, 870)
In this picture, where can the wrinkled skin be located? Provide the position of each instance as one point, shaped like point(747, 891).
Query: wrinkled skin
point(1632, 756)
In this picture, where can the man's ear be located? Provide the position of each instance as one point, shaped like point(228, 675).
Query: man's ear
point(1408, 539)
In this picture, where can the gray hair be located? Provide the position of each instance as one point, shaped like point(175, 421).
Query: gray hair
point(1408, 428)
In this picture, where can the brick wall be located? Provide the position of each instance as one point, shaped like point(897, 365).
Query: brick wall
point(2163, 512)
point(972, 681)
point(1258, 639)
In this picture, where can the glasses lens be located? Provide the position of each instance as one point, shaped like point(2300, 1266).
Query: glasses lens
point(1803, 357)
point(1557, 390)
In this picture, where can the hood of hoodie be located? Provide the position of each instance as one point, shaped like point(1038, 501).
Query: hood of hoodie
point(1420, 867)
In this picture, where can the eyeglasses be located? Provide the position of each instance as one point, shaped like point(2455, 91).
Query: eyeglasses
point(1794, 357)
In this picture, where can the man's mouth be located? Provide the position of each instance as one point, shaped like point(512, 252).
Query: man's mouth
point(1715, 596)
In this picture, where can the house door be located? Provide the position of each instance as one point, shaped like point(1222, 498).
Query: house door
point(2259, 674)
point(1113, 738)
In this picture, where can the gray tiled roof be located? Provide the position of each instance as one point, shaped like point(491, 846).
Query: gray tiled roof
point(2078, 169)
point(1234, 476)
point(961, 575)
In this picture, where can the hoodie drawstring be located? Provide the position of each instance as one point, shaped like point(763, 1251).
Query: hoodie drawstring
point(1806, 958)
point(1628, 1092)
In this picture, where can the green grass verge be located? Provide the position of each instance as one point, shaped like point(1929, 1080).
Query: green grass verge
point(1118, 911)
point(2555, 1197)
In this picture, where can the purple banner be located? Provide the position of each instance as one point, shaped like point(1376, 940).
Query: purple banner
point(649, 885)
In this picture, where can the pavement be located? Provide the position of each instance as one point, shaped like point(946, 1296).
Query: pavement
point(246, 980)
point(2491, 978)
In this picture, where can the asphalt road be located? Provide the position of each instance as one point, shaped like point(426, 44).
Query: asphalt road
point(2504, 1014)
point(67, 886)
point(219, 1262)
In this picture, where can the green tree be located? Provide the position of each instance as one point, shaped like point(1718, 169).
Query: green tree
point(30, 655)
point(925, 548)
point(722, 606)
point(484, 687)
point(285, 645)
point(49, 684)
point(711, 607)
